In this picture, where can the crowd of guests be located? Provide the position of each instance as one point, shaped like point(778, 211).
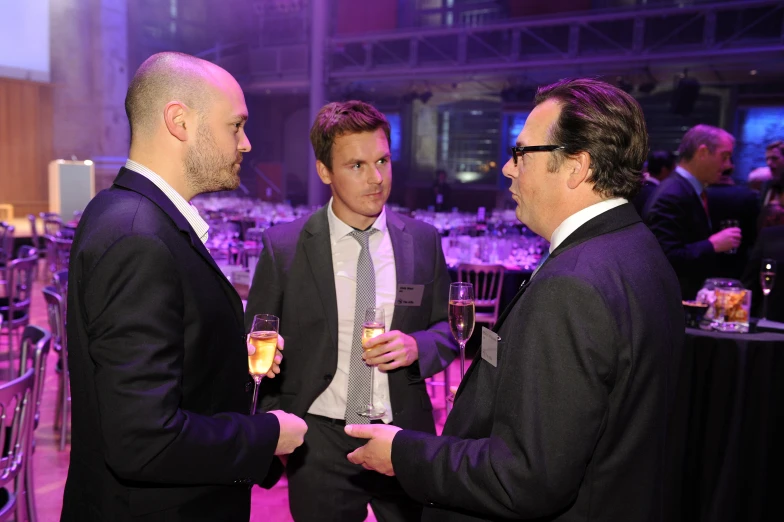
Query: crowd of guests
point(709, 226)
point(562, 415)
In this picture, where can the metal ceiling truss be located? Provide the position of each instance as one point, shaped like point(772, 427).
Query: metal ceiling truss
point(739, 29)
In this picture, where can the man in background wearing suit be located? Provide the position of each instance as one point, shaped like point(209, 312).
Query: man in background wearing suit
point(563, 416)
point(156, 344)
point(678, 213)
point(659, 166)
point(319, 274)
point(769, 245)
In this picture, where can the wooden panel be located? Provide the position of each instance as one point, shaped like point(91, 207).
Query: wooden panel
point(26, 115)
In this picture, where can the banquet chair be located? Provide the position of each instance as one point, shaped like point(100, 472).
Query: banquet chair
point(33, 352)
point(17, 410)
point(15, 304)
point(58, 253)
point(55, 306)
point(6, 247)
point(488, 282)
point(53, 225)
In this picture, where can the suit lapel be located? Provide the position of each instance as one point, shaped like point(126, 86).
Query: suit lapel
point(319, 253)
point(403, 248)
point(136, 182)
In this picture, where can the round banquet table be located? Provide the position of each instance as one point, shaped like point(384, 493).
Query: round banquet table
point(725, 455)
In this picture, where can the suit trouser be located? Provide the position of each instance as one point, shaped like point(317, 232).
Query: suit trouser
point(324, 485)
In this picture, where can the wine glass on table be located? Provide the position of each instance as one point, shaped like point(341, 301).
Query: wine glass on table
point(462, 312)
point(262, 346)
point(373, 326)
point(767, 279)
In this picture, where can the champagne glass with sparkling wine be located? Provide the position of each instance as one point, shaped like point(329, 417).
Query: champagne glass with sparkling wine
point(767, 278)
point(461, 316)
point(373, 326)
point(263, 343)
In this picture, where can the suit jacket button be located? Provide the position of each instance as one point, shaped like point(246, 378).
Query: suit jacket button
point(328, 377)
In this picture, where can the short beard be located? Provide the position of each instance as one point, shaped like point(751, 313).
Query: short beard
point(206, 170)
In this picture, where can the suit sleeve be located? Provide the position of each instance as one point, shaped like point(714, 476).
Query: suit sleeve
point(551, 405)
point(667, 218)
point(265, 297)
point(437, 347)
point(135, 314)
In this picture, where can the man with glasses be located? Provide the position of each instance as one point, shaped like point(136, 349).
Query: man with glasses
point(563, 415)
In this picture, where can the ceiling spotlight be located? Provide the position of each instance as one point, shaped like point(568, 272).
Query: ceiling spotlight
point(753, 72)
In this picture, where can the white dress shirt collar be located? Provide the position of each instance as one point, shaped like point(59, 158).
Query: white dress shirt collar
point(189, 212)
point(578, 219)
point(339, 229)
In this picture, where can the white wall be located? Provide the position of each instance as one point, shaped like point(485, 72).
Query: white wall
point(24, 39)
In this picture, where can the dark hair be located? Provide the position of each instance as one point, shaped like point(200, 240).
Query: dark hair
point(701, 134)
point(778, 144)
point(605, 122)
point(340, 118)
point(660, 159)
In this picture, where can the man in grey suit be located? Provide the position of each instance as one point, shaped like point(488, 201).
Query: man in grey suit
point(563, 416)
point(319, 274)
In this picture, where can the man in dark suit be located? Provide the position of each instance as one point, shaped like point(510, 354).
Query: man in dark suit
point(733, 205)
point(319, 274)
point(769, 245)
point(563, 416)
point(659, 166)
point(678, 213)
point(156, 345)
point(774, 159)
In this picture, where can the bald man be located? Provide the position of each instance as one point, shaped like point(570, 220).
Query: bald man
point(157, 352)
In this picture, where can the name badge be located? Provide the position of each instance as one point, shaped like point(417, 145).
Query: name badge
point(409, 295)
point(490, 346)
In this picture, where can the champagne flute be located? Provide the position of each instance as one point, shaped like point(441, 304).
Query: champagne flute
point(767, 278)
point(263, 340)
point(373, 326)
point(462, 312)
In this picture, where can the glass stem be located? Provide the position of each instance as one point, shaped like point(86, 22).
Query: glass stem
point(256, 382)
point(764, 307)
point(462, 358)
point(371, 406)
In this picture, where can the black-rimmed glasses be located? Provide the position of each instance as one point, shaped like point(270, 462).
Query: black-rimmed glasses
point(519, 151)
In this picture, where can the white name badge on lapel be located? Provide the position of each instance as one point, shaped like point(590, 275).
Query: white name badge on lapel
point(490, 346)
point(409, 295)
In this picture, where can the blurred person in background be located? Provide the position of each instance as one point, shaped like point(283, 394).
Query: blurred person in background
point(319, 274)
point(678, 213)
point(563, 417)
point(442, 192)
point(660, 164)
point(733, 205)
point(156, 346)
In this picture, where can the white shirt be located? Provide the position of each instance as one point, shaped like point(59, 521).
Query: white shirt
point(188, 211)
point(580, 218)
point(345, 254)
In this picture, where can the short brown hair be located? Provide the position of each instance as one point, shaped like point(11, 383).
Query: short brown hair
point(778, 144)
point(701, 134)
point(340, 118)
point(608, 124)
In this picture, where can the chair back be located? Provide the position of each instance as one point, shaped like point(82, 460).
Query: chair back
point(19, 289)
point(34, 230)
point(26, 251)
point(58, 253)
point(55, 308)
point(61, 284)
point(488, 282)
point(53, 225)
point(17, 410)
point(6, 242)
point(33, 351)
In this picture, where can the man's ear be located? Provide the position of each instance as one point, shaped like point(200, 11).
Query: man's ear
point(174, 116)
point(580, 165)
point(323, 173)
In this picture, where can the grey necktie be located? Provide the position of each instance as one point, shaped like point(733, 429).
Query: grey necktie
point(359, 372)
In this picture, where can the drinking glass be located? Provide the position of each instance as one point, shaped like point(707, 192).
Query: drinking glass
point(373, 326)
point(767, 279)
point(462, 312)
point(263, 340)
point(730, 223)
